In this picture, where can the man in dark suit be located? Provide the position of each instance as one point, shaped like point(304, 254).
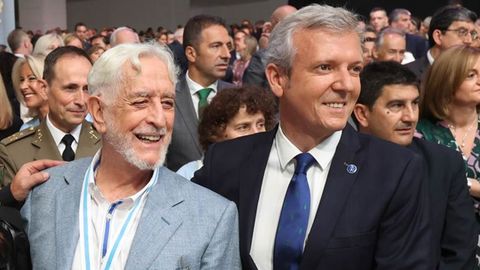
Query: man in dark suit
point(338, 211)
point(450, 26)
point(401, 19)
point(255, 72)
point(206, 44)
point(64, 133)
point(388, 108)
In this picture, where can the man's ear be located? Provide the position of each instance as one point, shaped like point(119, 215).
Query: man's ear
point(97, 112)
point(277, 78)
point(191, 54)
point(437, 36)
point(361, 113)
point(44, 89)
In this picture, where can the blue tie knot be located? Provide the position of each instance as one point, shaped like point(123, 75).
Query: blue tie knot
point(304, 161)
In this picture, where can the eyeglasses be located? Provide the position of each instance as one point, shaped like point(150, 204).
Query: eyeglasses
point(463, 32)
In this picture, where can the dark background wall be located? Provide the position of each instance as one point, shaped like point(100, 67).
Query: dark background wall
point(419, 8)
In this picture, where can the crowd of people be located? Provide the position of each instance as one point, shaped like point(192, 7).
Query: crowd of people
point(314, 140)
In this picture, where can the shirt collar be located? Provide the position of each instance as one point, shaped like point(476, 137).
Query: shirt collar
point(195, 87)
point(323, 153)
point(57, 134)
point(97, 195)
point(430, 57)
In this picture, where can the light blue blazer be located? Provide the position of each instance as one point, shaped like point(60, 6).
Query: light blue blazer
point(183, 225)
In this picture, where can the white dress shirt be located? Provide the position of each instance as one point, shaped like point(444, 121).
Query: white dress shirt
point(58, 135)
point(195, 87)
point(430, 57)
point(98, 213)
point(278, 174)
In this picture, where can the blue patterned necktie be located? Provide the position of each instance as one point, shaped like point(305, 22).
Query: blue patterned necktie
point(293, 222)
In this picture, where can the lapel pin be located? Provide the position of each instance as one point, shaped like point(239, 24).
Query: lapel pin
point(351, 168)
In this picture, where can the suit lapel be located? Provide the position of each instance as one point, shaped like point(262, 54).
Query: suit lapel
point(186, 110)
point(158, 222)
point(335, 194)
point(425, 65)
point(250, 180)
point(89, 141)
point(223, 85)
point(45, 144)
point(67, 230)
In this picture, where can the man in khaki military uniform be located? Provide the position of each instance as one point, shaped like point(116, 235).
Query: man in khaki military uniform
point(64, 133)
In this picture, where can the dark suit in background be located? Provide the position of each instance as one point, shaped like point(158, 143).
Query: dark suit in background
point(417, 45)
point(374, 218)
point(419, 66)
point(454, 228)
point(255, 72)
point(179, 56)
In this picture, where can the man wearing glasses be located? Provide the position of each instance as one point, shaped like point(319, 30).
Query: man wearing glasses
point(450, 26)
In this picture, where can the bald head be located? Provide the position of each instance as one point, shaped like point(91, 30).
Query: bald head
point(123, 35)
point(280, 13)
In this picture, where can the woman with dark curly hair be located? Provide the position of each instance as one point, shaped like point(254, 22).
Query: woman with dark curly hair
point(233, 113)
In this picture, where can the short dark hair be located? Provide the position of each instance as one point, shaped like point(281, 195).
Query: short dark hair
point(104, 39)
point(445, 16)
point(375, 9)
point(78, 25)
point(226, 104)
point(375, 76)
point(53, 57)
point(194, 27)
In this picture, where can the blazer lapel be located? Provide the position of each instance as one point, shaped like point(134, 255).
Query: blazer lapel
point(43, 140)
point(335, 194)
point(160, 217)
point(186, 110)
point(250, 181)
point(67, 230)
point(89, 141)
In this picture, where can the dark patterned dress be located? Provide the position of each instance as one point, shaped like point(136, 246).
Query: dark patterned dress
point(440, 133)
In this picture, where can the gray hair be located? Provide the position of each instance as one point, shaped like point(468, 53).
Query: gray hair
point(114, 35)
point(387, 31)
point(333, 19)
point(44, 44)
point(395, 14)
point(107, 76)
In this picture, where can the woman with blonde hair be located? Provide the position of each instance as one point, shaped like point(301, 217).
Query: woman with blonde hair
point(30, 88)
point(73, 40)
point(9, 122)
point(47, 43)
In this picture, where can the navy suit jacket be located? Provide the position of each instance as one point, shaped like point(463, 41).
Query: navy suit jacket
point(453, 221)
point(419, 67)
point(417, 45)
point(375, 218)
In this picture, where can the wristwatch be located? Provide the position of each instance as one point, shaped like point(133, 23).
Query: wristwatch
point(469, 183)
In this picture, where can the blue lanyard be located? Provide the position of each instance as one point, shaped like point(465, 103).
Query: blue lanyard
point(107, 227)
point(122, 230)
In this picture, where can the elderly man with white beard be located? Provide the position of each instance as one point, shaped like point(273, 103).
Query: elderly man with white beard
point(123, 209)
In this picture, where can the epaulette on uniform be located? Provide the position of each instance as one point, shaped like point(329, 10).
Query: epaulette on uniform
point(19, 135)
